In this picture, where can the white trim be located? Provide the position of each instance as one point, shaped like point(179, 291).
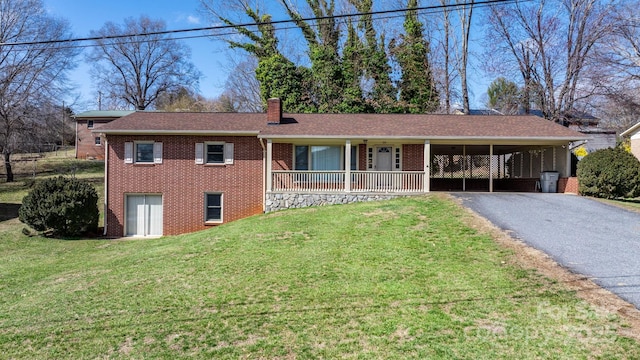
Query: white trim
point(126, 215)
point(427, 164)
point(135, 152)
point(490, 168)
point(269, 185)
point(177, 132)
point(206, 151)
point(206, 206)
point(347, 165)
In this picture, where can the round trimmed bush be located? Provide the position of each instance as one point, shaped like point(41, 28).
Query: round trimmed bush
point(61, 207)
point(609, 173)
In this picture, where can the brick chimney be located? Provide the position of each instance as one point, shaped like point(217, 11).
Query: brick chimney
point(274, 111)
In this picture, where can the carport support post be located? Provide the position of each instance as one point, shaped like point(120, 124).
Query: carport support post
point(464, 167)
point(427, 161)
point(491, 168)
point(568, 163)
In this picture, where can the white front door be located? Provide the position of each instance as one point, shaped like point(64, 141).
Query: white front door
point(384, 157)
point(144, 215)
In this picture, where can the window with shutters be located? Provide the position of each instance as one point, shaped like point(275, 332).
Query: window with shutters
point(143, 152)
point(214, 153)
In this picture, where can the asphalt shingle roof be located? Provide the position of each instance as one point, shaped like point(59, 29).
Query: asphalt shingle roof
point(344, 125)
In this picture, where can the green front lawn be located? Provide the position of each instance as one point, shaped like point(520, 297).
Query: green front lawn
point(383, 280)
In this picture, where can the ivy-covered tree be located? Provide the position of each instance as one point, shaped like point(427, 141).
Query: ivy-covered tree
point(278, 76)
point(417, 86)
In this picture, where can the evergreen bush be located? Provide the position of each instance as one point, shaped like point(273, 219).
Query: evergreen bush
point(609, 173)
point(61, 207)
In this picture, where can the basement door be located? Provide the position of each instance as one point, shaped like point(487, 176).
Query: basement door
point(144, 215)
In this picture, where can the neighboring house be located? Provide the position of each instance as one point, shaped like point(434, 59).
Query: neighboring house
point(172, 173)
point(633, 134)
point(89, 145)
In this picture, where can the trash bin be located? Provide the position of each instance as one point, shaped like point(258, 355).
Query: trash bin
point(549, 181)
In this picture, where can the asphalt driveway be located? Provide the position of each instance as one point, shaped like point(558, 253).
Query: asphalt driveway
point(586, 236)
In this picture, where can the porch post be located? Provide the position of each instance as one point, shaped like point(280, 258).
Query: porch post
point(568, 163)
point(491, 168)
point(464, 167)
point(347, 166)
point(427, 162)
point(269, 169)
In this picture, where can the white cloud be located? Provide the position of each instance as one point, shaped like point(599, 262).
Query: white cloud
point(193, 19)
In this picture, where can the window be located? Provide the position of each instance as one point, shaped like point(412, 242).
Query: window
point(213, 207)
point(143, 152)
point(98, 140)
point(214, 153)
point(90, 124)
point(323, 157)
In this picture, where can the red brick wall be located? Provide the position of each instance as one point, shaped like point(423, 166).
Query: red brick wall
point(282, 157)
point(183, 184)
point(568, 185)
point(412, 157)
point(86, 147)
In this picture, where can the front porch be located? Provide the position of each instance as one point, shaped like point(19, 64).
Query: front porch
point(409, 168)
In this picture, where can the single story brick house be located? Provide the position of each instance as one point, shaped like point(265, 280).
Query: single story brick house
point(173, 173)
point(89, 144)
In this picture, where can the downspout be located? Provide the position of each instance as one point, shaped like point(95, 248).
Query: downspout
point(264, 175)
point(76, 142)
point(106, 187)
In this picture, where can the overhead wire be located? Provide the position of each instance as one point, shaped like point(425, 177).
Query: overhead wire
point(140, 37)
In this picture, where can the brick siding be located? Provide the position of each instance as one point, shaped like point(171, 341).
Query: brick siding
point(412, 157)
point(183, 184)
point(568, 185)
point(86, 147)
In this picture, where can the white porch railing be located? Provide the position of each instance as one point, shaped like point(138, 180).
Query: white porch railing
point(361, 181)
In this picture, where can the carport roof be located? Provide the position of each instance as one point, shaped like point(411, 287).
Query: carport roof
point(412, 126)
point(345, 126)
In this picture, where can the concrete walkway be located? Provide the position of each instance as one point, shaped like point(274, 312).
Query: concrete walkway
point(586, 236)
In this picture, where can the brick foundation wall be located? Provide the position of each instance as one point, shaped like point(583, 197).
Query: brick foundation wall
point(183, 184)
point(568, 185)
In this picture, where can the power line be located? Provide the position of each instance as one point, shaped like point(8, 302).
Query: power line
point(422, 9)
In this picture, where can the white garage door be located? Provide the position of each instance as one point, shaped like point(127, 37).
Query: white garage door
point(144, 215)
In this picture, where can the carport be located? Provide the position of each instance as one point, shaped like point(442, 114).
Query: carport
point(496, 166)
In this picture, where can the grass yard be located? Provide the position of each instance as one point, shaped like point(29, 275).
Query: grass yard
point(384, 280)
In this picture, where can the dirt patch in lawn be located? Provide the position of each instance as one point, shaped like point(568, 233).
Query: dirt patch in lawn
point(531, 258)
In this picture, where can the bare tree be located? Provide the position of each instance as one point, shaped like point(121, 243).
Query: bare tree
point(242, 86)
point(30, 75)
point(140, 67)
point(465, 13)
point(551, 44)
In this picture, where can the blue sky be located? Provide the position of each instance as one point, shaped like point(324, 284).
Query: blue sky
point(210, 57)
point(83, 15)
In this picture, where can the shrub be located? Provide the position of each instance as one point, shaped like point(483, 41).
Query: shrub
point(61, 207)
point(609, 173)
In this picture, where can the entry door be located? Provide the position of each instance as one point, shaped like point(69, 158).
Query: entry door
point(144, 215)
point(384, 158)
